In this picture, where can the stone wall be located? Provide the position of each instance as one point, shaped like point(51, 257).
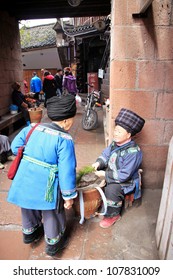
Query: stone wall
point(141, 71)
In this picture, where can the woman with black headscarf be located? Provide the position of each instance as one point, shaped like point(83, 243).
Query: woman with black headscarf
point(120, 163)
point(45, 182)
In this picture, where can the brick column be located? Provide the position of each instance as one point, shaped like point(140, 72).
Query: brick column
point(141, 78)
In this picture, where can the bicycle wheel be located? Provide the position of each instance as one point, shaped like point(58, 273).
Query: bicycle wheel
point(90, 120)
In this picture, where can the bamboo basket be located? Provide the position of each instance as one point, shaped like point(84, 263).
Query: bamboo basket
point(35, 114)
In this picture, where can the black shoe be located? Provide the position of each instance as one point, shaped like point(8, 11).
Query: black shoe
point(35, 236)
point(51, 250)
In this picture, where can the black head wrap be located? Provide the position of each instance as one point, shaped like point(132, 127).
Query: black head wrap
point(129, 121)
point(61, 107)
point(15, 86)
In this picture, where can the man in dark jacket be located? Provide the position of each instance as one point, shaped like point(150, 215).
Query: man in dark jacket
point(58, 78)
point(49, 86)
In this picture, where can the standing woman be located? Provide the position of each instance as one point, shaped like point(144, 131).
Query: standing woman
point(69, 83)
point(49, 184)
point(49, 86)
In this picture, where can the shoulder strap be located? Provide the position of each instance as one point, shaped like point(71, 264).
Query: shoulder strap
point(29, 133)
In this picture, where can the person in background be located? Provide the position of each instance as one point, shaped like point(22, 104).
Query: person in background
point(69, 83)
point(58, 78)
point(21, 100)
point(49, 184)
point(43, 70)
point(65, 69)
point(49, 86)
point(36, 85)
point(120, 163)
point(26, 89)
point(5, 150)
point(42, 74)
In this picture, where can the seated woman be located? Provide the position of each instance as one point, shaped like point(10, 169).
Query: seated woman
point(119, 163)
point(5, 150)
point(22, 101)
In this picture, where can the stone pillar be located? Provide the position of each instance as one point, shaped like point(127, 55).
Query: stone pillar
point(10, 59)
point(141, 78)
point(164, 228)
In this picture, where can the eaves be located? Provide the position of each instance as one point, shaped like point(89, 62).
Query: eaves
point(38, 48)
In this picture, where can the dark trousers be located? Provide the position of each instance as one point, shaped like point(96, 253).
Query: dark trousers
point(54, 221)
point(115, 197)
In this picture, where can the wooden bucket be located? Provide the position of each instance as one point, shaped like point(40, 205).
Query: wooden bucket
point(35, 114)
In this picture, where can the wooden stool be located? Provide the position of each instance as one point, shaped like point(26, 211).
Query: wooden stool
point(129, 198)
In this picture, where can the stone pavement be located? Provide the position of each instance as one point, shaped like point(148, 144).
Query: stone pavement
point(132, 238)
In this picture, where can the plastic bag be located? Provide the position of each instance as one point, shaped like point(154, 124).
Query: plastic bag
point(78, 100)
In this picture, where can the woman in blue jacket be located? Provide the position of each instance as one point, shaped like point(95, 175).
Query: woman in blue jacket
point(46, 175)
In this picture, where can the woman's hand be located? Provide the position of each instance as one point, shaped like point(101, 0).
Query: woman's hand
point(24, 105)
point(68, 203)
point(100, 173)
point(95, 165)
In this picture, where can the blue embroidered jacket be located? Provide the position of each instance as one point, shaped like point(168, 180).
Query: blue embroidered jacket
point(121, 164)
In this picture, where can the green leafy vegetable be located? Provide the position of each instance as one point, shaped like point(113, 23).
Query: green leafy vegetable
point(83, 171)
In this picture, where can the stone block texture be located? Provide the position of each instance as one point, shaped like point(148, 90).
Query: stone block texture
point(141, 70)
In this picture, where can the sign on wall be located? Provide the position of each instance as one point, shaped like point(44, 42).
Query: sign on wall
point(92, 79)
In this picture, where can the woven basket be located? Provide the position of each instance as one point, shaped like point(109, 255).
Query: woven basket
point(92, 201)
point(35, 114)
point(90, 194)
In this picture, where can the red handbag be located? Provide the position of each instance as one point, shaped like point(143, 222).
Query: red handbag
point(15, 163)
